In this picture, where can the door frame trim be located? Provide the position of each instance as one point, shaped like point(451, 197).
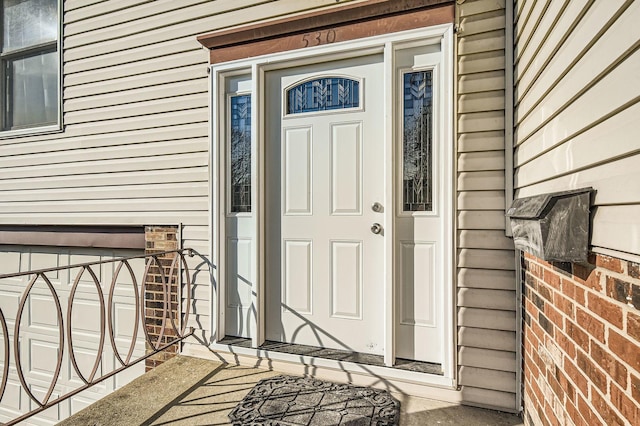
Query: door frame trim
point(256, 67)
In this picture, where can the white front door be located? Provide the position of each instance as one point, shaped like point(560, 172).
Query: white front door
point(324, 175)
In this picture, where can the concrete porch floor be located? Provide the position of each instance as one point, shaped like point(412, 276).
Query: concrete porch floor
point(193, 391)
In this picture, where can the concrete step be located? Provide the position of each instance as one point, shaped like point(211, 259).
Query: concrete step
point(194, 391)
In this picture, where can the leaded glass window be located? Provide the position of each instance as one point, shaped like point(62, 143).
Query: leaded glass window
point(240, 153)
point(417, 179)
point(323, 94)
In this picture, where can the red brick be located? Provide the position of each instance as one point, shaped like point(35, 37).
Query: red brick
point(618, 289)
point(538, 362)
point(567, 387)
point(526, 371)
point(551, 416)
point(551, 279)
point(538, 332)
point(543, 263)
point(566, 344)
point(555, 385)
point(594, 281)
point(535, 269)
point(578, 336)
point(536, 393)
point(629, 409)
point(635, 388)
point(633, 325)
point(627, 350)
point(543, 416)
point(609, 364)
point(587, 275)
point(546, 325)
point(554, 316)
point(538, 301)
point(159, 238)
point(530, 341)
point(608, 262)
point(635, 296)
point(591, 324)
point(573, 414)
point(565, 305)
point(530, 307)
point(605, 309)
point(633, 269)
point(609, 416)
point(587, 412)
point(545, 292)
point(576, 376)
point(572, 291)
point(596, 375)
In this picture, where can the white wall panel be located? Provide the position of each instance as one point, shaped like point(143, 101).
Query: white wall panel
point(346, 279)
point(297, 172)
point(418, 284)
point(239, 279)
point(535, 38)
point(572, 47)
point(297, 281)
point(585, 152)
point(485, 259)
point(346, 169)
point(577, 107)
point(602, 99)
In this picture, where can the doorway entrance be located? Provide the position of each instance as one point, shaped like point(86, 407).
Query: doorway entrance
point(324, 196)
point(335, 201)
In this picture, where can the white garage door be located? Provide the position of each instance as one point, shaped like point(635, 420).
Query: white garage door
point(39, 328)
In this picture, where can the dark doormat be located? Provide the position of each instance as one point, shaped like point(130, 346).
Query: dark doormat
point(288, 400)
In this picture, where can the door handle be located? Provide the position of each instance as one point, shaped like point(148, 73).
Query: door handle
point(376, 228)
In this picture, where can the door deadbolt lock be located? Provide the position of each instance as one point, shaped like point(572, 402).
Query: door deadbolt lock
point(376, 207)
point(376, 228)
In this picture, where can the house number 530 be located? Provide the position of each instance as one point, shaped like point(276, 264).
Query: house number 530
point(319, 37)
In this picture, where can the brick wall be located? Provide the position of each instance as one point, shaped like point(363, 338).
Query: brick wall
point(159, 239)
point(581, 342)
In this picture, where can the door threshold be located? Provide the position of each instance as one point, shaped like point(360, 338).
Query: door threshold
point(337, 355)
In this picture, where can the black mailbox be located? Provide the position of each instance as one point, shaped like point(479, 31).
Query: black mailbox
point(553, 227)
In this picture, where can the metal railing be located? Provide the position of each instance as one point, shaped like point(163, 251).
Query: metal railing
point(173, 271)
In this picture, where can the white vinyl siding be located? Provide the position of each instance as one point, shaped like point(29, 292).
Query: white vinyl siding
point(577, 107)
point(486, 296)
point(134, 150)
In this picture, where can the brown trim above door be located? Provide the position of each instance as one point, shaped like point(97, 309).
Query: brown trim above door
point(120, 237)
point(347, 22)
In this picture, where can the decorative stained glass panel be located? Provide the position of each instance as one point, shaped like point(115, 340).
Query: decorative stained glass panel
point(417, 179)
point(240, 149)
point(323, 94)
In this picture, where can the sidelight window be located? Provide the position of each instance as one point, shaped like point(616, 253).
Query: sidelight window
point(417, 140)
point(240, 153)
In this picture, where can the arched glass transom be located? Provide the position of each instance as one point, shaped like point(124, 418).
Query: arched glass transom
point(323, 94)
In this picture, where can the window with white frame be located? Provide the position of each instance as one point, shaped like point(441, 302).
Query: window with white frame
point(30, 64)
point(417, 138)
point(240, 153)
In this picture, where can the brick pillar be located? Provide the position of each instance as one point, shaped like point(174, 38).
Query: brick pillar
point(159, 239)
point(581, 342)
